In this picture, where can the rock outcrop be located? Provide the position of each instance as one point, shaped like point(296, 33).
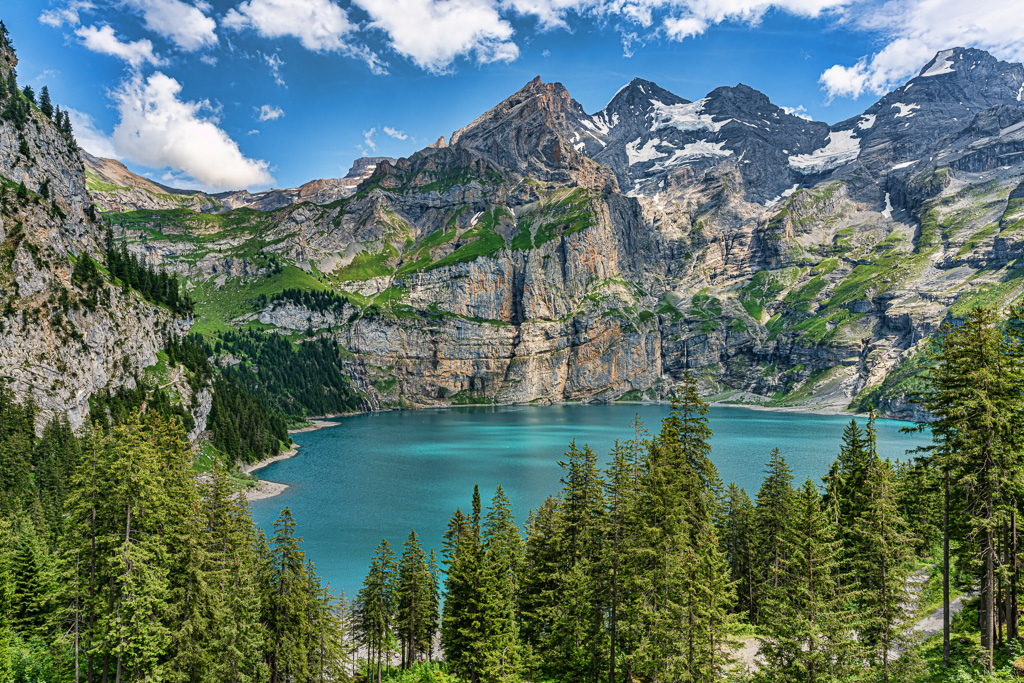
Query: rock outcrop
point(547, 254)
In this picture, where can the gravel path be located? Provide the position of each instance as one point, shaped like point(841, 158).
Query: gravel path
point(931, 625)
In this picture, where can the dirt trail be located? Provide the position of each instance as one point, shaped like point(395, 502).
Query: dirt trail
point(928, 626)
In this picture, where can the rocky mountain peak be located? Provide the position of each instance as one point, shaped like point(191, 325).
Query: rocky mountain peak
point(439, 144)
point(638, 96)
point(534, 132)
point(738, 100)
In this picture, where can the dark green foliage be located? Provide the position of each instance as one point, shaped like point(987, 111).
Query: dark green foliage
point(414, 618)
point(243, 427)
point(739, 545)
point(45, 105)
point(321, 300)
point(296, 380)
point(29, 94)
point(375, 608)
point(157, 286)
point(809, 632)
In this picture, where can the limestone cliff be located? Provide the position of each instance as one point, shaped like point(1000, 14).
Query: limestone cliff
point(61, 338)
point(548, 254)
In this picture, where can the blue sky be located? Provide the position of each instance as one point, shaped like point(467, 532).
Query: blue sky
point(226, 94)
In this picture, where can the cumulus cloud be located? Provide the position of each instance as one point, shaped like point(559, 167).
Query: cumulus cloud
point(187, 26)
point(396, 134)
point(89, 137)
point(254, 131)
point(269, 112)
point(160, 130)
point(914, 31)
point(799, 111)
point(319, 25)
point(679, 19)
point(432, 33)
point(103, 40)
point(65, 15)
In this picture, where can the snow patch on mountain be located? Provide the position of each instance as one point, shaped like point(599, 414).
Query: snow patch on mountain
point(1020, 93)
point(842, 147)
point(693, 151)
point(685, 117)
point(906, 110)
point(866, 121)
point(785, 193)
point(648, 152)
point(942, 64)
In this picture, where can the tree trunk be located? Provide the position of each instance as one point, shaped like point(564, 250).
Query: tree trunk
point(988, 640)
point(945, 572)
point(1012, 624)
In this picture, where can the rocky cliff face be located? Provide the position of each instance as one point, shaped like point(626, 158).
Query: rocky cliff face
point(548, 254)
point(61, 339)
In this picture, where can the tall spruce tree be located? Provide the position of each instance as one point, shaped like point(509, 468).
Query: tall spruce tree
point(375, 609)
point(809, 638)
point(739, 545)
point(882, 569)
point(771, 517)
point(975, 401)
point(413, 622)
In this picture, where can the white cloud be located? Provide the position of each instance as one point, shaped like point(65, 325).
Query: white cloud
point(103, 40)
point(368, 143)
point(65, 15)
point(89, 138)
point(187, 26)
point(680, 28)
point(269, 112)
point(319, 25)
point(432, 33)
point(208, 59)
point(254, 131)
point(159, 130)
point(799, 111)
point(275, 63)
point(917, 29)
point(396, 134)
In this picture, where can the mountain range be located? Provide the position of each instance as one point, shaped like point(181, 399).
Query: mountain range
point(547, 254)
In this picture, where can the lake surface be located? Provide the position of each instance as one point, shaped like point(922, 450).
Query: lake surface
point(379, 475)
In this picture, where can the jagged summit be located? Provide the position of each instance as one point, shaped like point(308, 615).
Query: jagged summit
point(535, 132)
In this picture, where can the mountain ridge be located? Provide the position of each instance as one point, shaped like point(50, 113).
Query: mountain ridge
point(548, 254)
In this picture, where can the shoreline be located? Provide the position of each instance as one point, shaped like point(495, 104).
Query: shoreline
point(268, 489)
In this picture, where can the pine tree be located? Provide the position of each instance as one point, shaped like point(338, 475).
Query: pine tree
point(463, 557)
point(45, 105)
point(496, 652)
point(622, 488)
point(680, 576)
point(375, 609)
point(739, 546)
point(771, 518)
point(290, 604)
point(808, 638)
point(882, 569)
point(413, 597)
point(975, 399)
point(434, 604)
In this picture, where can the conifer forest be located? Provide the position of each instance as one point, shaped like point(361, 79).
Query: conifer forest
point(119, 564)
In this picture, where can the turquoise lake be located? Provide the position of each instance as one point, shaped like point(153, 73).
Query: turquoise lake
point(379, 475)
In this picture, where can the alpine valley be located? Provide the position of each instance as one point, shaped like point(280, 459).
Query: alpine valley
point(545, 254)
